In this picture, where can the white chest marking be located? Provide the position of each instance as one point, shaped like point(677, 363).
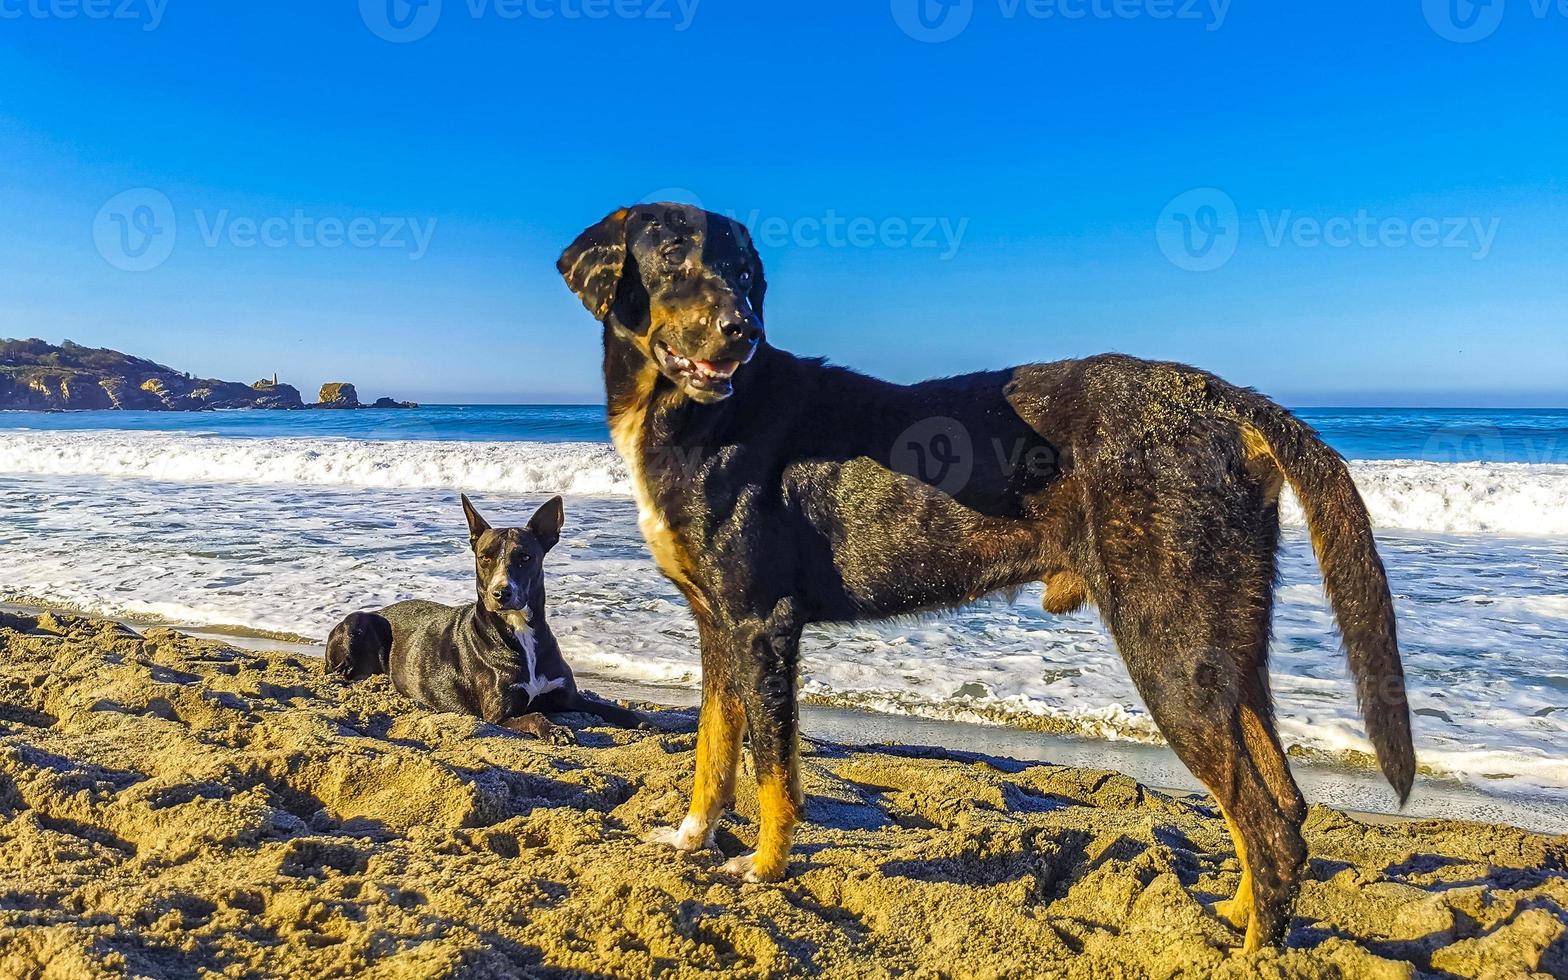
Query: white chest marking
point(535, 685)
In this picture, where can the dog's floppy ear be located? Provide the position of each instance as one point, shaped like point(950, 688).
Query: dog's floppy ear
point(593, 265)
point(759, 281)
point(546, 523)
point(476, 525)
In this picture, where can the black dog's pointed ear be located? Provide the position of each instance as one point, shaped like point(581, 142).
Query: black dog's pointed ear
point(593, 265)
point(546, 523)
point(476, 525)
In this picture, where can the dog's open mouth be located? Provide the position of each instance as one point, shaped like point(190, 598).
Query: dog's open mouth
point(711, 377)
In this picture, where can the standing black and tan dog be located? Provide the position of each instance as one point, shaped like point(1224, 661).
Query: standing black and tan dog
point(494, 658)
point(777, 491)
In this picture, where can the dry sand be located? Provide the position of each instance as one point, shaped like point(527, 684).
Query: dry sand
point(174, 807)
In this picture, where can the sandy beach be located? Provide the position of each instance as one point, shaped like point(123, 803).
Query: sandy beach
point(173, 806)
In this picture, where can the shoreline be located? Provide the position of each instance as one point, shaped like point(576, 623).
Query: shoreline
point(1355, 789)
point(172, 805)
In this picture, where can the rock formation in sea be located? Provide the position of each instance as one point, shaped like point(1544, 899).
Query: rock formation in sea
point(38, 376)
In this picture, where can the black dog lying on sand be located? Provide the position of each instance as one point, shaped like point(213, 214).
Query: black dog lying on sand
point(495, 657)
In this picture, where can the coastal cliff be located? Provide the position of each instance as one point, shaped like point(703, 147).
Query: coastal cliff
point(38, 376)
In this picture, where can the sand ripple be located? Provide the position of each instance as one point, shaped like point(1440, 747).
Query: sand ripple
point(174, 807)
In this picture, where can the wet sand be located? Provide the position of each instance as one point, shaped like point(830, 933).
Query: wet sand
point(173, 806)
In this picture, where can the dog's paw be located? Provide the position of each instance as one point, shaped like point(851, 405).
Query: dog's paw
point(560, 735)
point(745, 868)
point(690, 836)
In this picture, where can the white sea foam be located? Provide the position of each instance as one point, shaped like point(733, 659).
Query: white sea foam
point(1463, 498)
point(503, 467)
point(1482, 625)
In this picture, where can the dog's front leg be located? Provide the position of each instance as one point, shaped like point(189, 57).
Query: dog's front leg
point(773, 659)
point(591, 704)
point(720, 727)
point(540, 727)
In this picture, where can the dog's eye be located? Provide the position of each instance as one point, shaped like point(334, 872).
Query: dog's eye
point(745, 275)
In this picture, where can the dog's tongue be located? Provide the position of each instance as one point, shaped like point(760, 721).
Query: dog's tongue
point(717, 367)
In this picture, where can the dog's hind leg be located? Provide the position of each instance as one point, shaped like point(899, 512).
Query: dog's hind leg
point(1193, 626)
point(358, 647)
point(1197, 697)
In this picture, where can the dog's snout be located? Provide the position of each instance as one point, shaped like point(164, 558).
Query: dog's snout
point(500, 595)
point(739, 327)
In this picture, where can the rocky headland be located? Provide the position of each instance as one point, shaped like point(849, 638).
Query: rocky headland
point(38, 376)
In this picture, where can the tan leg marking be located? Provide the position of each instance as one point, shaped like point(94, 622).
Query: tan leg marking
point(719, 734)
point(1065, 592)
point(719, 731)
point(1270, 761)
point(778, 813)
point(1238, 910)
point(1261, 463)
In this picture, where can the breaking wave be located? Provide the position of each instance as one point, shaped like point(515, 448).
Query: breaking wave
point(1460, 498)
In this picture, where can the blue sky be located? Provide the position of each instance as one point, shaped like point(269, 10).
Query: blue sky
point(1337, 202)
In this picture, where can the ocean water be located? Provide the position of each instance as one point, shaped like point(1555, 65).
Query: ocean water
point(283, 522)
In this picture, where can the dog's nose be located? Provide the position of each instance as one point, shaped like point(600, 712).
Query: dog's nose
point(738, 327)
point(501, 595)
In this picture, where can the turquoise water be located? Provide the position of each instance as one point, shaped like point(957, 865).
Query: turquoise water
point(1450, 435)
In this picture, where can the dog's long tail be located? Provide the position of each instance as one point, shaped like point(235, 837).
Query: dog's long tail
point(1353, 574)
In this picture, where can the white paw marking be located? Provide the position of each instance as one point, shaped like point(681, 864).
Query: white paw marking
point(742, 867)
point(690, 836)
